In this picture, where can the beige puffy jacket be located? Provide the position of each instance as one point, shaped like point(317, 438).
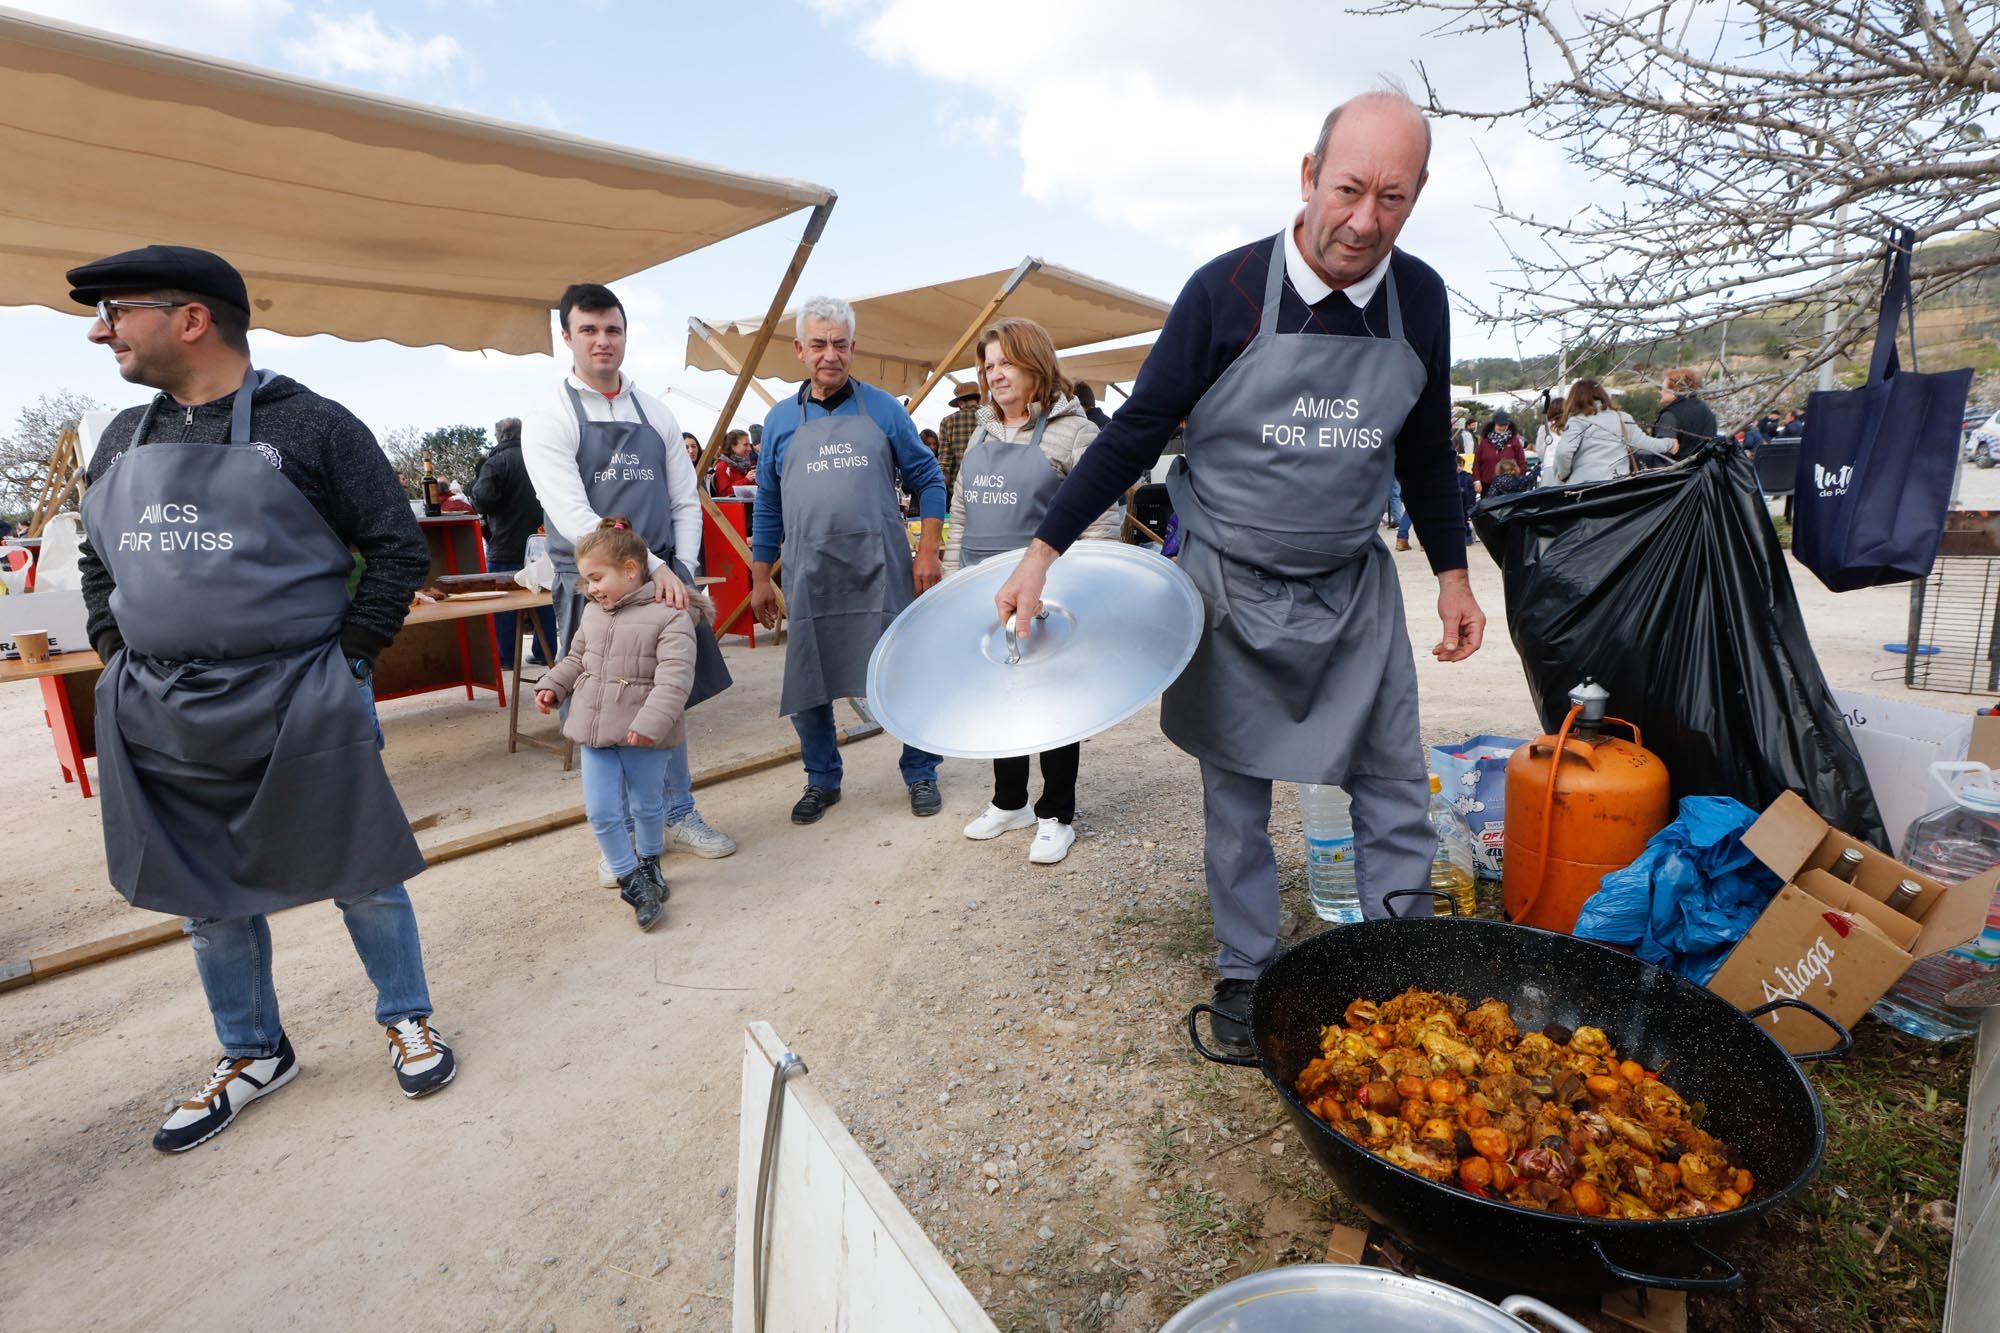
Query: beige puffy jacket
point(628, 669)
point(1068, 434)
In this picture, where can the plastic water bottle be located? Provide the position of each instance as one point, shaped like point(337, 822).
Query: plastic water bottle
point(1455, 865)
point(1950, 844)
point(1330, 882)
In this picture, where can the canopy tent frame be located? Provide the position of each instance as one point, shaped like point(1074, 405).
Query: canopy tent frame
point(923, 350)
point(1007, 288)
point(815, 225)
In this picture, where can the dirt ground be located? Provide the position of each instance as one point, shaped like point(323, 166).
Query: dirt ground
point(1004, 1039)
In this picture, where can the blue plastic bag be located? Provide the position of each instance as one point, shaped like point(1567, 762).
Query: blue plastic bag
point(1473, 774)
point(1692, 894)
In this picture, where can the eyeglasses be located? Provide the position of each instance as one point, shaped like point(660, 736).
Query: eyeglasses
point(107, 310)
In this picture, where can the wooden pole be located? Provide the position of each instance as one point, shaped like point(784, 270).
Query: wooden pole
point(714, 343)
point(26, 971)
point(949, 360)
point(814, 226)
point(64, 477)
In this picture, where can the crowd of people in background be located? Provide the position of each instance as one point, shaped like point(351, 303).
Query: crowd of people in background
point(1583, 435)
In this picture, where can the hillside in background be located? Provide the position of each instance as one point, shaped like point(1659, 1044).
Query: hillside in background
point(1958, 327)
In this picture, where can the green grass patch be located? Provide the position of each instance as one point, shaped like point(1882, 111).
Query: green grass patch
point(1855, 1253)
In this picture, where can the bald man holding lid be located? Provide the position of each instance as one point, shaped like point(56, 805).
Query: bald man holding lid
point(1313, 368)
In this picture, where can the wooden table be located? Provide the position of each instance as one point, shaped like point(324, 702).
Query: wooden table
point(69, 681)
point(464, 607)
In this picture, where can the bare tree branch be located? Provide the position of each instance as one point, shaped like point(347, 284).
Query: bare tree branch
point(1746, 160)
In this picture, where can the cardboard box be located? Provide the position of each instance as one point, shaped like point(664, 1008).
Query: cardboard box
point(1899, 741)
point(1837, 946)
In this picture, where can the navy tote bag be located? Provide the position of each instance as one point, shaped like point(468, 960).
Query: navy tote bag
point(1876, 464)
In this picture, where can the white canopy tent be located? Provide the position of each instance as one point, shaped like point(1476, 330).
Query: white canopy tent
point(905, 340)
point(348, 213)
point(1111, 365)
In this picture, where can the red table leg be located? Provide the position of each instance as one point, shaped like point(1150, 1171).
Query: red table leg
point(62, 725)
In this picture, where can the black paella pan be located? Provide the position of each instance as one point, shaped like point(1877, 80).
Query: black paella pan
point(1758, 1100)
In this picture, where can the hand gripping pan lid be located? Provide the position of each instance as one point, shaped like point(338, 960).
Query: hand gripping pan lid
point(1118, 624)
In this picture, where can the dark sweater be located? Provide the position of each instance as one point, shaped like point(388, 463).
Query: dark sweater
point(1212, 322)
point(506, 498)
point(334, 461)
point(1687, 418)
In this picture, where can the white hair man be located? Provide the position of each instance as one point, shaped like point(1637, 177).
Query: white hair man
point(1328, 384)
point(836, 454)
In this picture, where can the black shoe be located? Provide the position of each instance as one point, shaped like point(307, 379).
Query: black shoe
point(1232, 1034)
point(643, 893)
point(653, 894)
point(925, 799)
point(814, 803)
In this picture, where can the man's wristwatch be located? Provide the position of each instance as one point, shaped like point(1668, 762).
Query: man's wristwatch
point(362, 668)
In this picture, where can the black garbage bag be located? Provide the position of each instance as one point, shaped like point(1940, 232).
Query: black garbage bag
point(1669, 589)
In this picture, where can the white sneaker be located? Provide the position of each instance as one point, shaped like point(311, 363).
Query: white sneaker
point(423, 1063)
point(233, 1085)
point(694, 834)
point(605, 879)
point(1052, 842)
point(997, 821)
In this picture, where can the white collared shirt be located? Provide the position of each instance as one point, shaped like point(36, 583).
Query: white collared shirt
point(1312, 289)
point(549, 442)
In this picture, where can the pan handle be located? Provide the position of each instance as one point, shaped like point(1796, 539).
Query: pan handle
point(1833, 1052)
point(1555, 1319)
point(1450, 906)
point(1194, 1035)
point(1730, 1276)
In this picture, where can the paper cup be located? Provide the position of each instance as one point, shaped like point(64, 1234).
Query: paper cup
point(33, 643)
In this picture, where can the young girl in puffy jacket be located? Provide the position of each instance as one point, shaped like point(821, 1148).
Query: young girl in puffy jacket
point(627, 676)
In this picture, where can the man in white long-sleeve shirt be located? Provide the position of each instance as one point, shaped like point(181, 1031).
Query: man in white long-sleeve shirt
point(600, 447)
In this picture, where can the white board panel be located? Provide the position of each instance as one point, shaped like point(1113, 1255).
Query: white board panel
point(844, 1256)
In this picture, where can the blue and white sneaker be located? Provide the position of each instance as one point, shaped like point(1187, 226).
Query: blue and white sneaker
point(234, 1084)
point(422, 1061)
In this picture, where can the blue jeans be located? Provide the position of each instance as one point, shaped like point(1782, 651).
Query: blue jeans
point(1396, 505)
point(624, 793)
point(233, 957)
point(1403, 527)
point(819, 747)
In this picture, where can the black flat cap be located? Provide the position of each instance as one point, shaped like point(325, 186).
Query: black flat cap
point(152, 267)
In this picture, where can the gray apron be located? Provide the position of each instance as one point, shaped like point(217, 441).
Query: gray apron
point(624, 469)
point(1303, 673)
point(1006, 490)
point(238, 760)
point(848, 569)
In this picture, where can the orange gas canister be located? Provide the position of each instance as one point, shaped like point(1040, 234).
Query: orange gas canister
point(1580, 804)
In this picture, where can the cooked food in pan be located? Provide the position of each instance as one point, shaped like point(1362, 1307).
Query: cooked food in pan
point(1551, 1120)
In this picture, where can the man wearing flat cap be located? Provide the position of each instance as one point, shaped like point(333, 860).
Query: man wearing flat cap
point(238, 751)
point(955, 432)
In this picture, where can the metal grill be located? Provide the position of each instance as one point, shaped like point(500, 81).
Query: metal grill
point(1953, 644)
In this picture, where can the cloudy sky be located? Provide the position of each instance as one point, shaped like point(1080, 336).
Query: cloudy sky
point(1129, 139)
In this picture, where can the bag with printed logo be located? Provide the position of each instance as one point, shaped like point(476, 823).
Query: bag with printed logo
point(1876, 464)
point(1473, 774)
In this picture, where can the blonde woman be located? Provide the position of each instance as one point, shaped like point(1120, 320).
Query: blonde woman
point(1598, 441)
point(1025, 440)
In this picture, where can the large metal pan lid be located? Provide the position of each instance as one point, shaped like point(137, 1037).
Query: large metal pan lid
point(1312, 1298)
point(1118, 624)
